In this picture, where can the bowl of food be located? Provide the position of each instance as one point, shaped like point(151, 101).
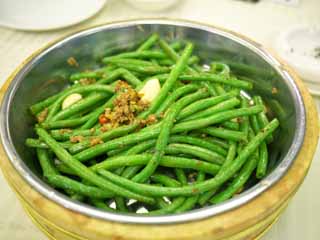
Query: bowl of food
point(162, 128)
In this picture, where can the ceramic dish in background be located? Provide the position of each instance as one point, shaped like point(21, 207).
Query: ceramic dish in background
point(300, 47)
point(35, 15)
point(152, 5)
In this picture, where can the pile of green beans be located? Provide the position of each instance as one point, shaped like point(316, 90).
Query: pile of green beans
point(209, 141)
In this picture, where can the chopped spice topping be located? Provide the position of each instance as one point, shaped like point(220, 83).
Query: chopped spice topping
point(87, 81)
point(95, 141)
point(73, 62)
point(43, 115)
point(76, 139)
point(150, 120)
point(127, 105)
point(106, 127)
point(65, 130)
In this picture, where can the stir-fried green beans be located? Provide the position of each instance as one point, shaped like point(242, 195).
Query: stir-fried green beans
point(194, 138)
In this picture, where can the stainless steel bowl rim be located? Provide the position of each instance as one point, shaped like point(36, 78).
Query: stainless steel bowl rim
point(198, 214)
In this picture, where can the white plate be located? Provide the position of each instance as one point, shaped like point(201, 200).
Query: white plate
point(38, 15)
point(298, 47)
point(152, 5)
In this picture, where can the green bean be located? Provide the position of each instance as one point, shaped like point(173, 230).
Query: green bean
point(65, 183)
point(79, 89)
point(130, 78)
point(181, 176)
point(210, 88)
point(262, 117)
point(216, 118)
point(146, 54)
point(219, 89)
point(237, 183)
point(198, 142)
point(231, 125)
point(153, 132)
point(123, 61)
point(174, 74)
point(225, 133)
point(36, 143)
point(167, 181)
point(113, 76)
point(66, 123)
point(263, 161)
point(121, 72)
point(219, 107)
point(164, 133)
point(197, 188)
point(78, 106)
point(62, 168)
point(217, 79)
point(129, 172)
point(220, 69)
point(121, 204)
point(117, 132)
point(119, 151)
point(174, 96)
point(263, 150)
point(148, 43)
point(244, 123)
point(46, 163)
point(83, 172)
point(222, 143)
point(66, 134)
point(144, 69)
point(102, 205)
point(38, 107)
point(191, 201)
point(78, 76)
point(203, 199)
point(76, 197)
point(202, 153)
point(166, 161)
point(205, 103)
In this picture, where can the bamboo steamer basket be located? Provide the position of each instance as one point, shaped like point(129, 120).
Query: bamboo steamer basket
point(250, 220)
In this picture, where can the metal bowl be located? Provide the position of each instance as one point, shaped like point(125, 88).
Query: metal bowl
point(46, 73)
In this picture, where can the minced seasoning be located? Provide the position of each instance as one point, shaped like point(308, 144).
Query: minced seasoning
point(127, 105)
point(65, 130)
point(76, 139)
point(72, 62)
point(95, 141)
point(42, 115)
point(87, 81)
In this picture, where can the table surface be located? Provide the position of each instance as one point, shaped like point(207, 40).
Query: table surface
point(262, 22)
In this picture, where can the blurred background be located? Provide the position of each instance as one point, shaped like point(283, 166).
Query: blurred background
point(289, 28)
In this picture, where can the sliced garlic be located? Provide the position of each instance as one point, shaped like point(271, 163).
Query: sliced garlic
point(71, 99)
point(150, 90)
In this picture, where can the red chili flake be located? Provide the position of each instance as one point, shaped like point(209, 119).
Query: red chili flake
point(103, 119)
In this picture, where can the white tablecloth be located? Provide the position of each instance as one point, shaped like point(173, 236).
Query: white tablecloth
point(261, 22)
